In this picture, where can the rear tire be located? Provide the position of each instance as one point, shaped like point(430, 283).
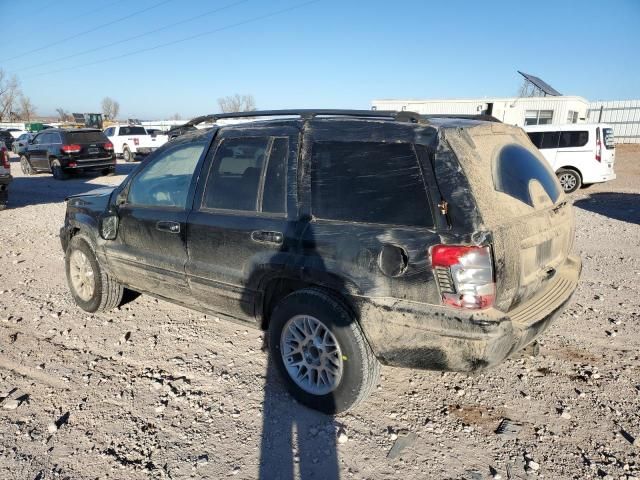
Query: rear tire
point(333, 339)
point(569, 180)
point(105, 293)
point(57, 171)
point(127, 155)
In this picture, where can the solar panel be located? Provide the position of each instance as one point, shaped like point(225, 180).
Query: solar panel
point(541, 84)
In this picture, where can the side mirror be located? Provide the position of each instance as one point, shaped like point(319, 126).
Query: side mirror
point(109, 226)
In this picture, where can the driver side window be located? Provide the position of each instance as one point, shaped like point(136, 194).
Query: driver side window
point(165, 182)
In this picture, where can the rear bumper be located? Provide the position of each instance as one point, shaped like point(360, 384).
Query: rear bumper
point(97, 164)
point(416, 335)
point(144, 150)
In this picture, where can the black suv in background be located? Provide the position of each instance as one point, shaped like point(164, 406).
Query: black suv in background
point(353, 236)
point(7, 138)
point(61, 151)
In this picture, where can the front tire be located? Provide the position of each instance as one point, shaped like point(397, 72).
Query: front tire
point(25, 166)
point(320, 352)
point(570, 180)
point(92, 288)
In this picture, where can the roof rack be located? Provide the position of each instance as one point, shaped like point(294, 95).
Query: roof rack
point(307, 114)
point(483, 117)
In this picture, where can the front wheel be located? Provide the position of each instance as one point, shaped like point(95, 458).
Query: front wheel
point(320, 352)
point(569, 180)
point(25, 166)
point(91, 287)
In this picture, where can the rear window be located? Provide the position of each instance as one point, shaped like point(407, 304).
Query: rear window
point(132, 131)
point(86, 137)
point(368, 182)
point(609, 140)
point(574, 139)
point(515, 167)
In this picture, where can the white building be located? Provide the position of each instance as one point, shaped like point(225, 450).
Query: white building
point(516, 110)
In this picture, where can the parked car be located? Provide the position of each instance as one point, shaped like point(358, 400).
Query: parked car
point(133, 141)
point(15, 132)
point(21, 143)
point(6, 138)
point(354, 237)
point(581, 154)
point(175, 132)
point(63, 151)
point(5, 175)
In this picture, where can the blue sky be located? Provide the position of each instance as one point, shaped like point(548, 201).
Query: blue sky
point(328, 53)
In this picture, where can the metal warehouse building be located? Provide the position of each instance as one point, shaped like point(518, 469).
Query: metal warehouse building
point(538, 104)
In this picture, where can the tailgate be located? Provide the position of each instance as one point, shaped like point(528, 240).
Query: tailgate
point(520, 202)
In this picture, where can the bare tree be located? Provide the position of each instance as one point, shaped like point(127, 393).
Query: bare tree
point(237, 103)
point(63, 115)
point(110, 108)
point(27, 109)
point(9, 94)
point(176, 116)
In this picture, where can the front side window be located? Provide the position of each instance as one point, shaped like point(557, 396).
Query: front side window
point(166, 181)
point(368, 182)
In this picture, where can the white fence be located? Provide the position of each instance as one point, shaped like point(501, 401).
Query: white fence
point(622, 115)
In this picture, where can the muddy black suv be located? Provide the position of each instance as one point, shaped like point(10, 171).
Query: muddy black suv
point(63, 151)
point(353, 237)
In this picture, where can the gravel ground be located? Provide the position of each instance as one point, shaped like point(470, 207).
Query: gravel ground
point(153, 390)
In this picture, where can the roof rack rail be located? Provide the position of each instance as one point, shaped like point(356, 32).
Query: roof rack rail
point(482, 116)
point(307, 114)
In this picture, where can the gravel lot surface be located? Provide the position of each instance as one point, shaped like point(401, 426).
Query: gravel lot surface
point(153, 390)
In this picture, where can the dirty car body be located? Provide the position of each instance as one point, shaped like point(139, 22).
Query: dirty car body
point(447, 240)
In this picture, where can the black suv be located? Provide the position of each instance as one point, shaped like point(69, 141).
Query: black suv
point(61, 151)
point(7, 138)
point(352, 236)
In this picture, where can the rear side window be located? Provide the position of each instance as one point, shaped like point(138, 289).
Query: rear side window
point(235, 175)
point(550, 140)
point(514, 169)
point(86, 137)
point(368, 182)
point(132, 131)
point(573, 139)
point(609, 140)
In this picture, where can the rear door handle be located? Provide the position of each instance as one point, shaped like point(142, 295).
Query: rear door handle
point(262, 236)
point(171, 227)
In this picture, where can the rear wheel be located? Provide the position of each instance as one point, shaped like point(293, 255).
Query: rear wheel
point(126, 154)
point(569, 180)
point(320, 352)
point(109, 171)
point(91, 287)
point(25, 166)
point(57, 171)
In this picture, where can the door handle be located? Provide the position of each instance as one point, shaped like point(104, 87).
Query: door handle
point(171, 227)
point(262, 236)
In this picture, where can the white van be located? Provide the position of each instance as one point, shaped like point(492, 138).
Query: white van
point(580, 153)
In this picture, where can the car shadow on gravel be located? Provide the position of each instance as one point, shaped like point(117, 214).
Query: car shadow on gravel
point(44, 189)
point(616, 205)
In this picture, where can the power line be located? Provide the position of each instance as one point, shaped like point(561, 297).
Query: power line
point(191, 37)
point(87, 31)
point(128, 39)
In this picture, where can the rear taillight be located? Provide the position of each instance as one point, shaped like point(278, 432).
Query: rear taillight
point(136, 141)
point(73, 148)
point(4, 157)
point(108, 146)
point(464, 275)
point(598, 146)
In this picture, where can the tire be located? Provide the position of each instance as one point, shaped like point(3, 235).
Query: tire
point(569, 180)
point(109, 171)
point(126, 154)
point(57, 171)
point(359, 370)
point(106, 293)
point(25, 166)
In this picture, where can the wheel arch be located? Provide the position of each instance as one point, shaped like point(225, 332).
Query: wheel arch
point(572, 168)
